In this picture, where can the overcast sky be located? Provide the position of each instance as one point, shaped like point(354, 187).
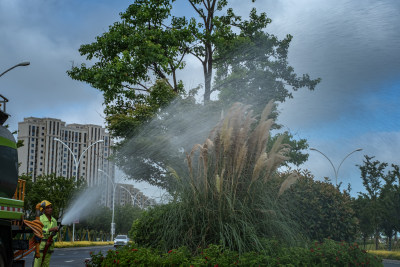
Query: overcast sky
point(353, 46)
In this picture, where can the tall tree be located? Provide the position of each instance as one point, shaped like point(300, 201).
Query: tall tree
point(390, 204)
point(372, 173)
point(137, 62)
point(363, 211)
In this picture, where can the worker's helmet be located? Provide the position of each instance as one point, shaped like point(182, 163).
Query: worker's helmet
point(42, 205)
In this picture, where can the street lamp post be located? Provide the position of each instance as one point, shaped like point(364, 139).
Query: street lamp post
point(18, 65)
point(336, 171)
point(76, 169)
point(112, 218)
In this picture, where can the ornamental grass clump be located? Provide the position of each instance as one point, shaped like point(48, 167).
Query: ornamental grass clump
point(228, 195)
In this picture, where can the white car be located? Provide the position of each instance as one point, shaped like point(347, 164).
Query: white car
point(121, 240)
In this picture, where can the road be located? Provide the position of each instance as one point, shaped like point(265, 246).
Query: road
point(63, 257)
point(391, 263)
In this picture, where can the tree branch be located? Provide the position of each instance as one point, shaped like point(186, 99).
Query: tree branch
point(197, 10)
point(136, 89)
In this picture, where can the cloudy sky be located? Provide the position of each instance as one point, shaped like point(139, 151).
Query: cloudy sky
point(353, 46)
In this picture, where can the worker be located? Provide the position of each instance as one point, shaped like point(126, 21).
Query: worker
point(49, 226)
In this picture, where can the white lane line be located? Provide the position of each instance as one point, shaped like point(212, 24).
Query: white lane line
point(69, 261)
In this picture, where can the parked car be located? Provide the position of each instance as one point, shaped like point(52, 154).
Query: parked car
point(121, 240)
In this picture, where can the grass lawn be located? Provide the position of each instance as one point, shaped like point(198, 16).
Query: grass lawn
point(81, 244)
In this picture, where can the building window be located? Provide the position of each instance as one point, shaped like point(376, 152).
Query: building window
point(32, 151)
point(33, 139)
point(31, 157)
point(41, 145)
point(41, 163)
point(63, 172)
point(32, 145)
point(75, 150)
point(64, 167)
point(40, 169)
point(31, 169)
point(31, 163)
point(41, 151)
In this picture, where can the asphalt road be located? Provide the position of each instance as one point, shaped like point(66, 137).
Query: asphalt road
point(391, 263)
point(63, 257)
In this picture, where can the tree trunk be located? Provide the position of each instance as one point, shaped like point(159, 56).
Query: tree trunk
point(207, 69)
point(390, 243)
point(376, 240)
point(365, 241)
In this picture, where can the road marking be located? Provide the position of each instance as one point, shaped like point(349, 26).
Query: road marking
point(69, 261)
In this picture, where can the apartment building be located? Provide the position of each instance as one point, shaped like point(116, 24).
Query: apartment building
point(81, 151)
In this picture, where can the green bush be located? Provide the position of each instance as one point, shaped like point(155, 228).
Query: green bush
point(328, 253)
point(329, 211)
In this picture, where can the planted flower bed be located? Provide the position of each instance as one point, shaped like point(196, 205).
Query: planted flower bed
point(328, 253)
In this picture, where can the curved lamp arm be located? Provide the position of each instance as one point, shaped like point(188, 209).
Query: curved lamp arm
point(334, 169)
point(18, 65)
point(133, 197)
point(359, 149)
point(108, 176)
point(70, 150)
point(99, 141)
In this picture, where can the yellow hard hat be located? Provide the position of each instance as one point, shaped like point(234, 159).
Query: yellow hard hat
point(43, 205)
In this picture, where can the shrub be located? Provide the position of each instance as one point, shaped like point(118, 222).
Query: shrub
point(329, 211)
point(327, 253)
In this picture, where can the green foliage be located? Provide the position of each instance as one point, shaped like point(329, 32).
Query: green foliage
point(100, 220)
point(252, 66)
point(321, 209)
point(363, 211)
point(295, 154)
point(124, 217)
point(126, 118)
point(58, 190)
point(328, 253)
point(378, 210)
point(372, 173)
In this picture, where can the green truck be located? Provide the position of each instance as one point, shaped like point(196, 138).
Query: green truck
point(11, 196)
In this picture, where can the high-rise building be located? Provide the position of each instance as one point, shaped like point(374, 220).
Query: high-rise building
point(41, 154)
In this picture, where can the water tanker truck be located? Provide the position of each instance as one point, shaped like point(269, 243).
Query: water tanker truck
point(13, 229)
